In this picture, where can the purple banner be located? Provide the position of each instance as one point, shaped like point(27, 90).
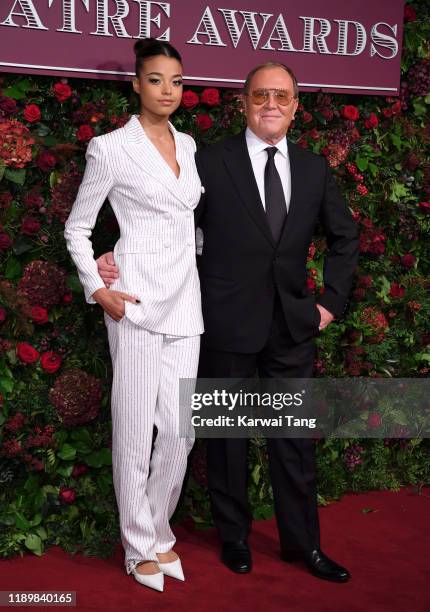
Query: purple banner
point(331, 45)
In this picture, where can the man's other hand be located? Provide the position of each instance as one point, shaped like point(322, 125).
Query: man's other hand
point(326, 316)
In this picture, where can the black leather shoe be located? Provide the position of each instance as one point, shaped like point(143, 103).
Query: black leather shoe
point(318, 564)
point(237, 556)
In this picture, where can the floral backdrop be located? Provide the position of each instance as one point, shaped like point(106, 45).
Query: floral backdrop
point(55, 436)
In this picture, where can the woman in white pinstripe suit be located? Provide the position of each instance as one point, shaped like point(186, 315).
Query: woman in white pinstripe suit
point(153, 311)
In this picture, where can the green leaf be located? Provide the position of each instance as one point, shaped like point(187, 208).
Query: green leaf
point(6, 384)
point(15, 176)
point(67, 452)
point(373, 168)
point(398, 191)
point(31, 484)
point(422, 357)
point(21, 522)
point(100, 458)
point(41, 532)
point(14, 92)
point(65, 470)
point(419, 108)
point(34, 543)
point(396, 140)
point(13, 269)
point(362, 163)
point(2, 169)
point(74, 283)
point(36, 520)
point(256, 473)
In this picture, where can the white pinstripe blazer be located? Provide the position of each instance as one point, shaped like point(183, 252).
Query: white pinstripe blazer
point(156, 253)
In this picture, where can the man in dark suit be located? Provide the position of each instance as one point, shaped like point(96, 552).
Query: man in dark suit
point(263, 197)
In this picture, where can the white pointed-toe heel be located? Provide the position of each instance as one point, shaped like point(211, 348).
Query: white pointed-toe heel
point(173, 569)
point(153, 581)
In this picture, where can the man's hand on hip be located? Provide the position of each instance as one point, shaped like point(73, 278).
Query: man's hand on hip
point(326, 315)
point(107, 269)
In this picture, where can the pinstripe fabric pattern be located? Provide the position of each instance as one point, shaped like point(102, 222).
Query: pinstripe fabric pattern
point(157, 342)
point(156, 251)
point(146, 370)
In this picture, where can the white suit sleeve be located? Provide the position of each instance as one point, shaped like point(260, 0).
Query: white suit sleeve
point(95, 186)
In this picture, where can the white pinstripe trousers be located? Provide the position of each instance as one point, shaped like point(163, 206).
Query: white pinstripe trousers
point(147, 367)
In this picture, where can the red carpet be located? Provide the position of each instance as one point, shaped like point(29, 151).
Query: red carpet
point(386, 551)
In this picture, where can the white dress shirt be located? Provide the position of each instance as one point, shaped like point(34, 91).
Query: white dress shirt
point(258, 155)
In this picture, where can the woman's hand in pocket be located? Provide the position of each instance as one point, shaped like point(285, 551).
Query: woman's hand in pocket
point(113, 302)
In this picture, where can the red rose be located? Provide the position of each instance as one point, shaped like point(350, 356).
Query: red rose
point(30, 226)
point(85, 133)
point(410, 13)
point(374, 421)
point(307, 117)
point(32, 113)
point(396, 290)
point(39, 315)
point(210, 96)
point(67, 496)
point(46, 161)
point(50, 362)
point(62, 91)
point(79, 469)
point(190, 99)
point(425, 206)
point(371, 122)
point(408, 260)
point(26, 352)
point(5, 242)
point(350, 112)
point(204, 122)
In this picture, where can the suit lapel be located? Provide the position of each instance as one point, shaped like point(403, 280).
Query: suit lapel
point(239, 167)
point(144, 153)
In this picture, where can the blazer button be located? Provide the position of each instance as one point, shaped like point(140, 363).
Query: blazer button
point(167, 245)
point(167, 215)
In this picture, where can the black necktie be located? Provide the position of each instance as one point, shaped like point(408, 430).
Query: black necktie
point(276, 207)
